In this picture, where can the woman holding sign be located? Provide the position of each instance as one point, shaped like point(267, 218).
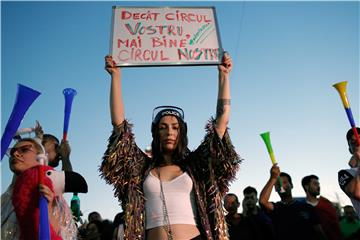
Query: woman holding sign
point(177, 193)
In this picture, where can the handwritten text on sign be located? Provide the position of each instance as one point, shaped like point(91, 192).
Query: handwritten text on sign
point(162, 36)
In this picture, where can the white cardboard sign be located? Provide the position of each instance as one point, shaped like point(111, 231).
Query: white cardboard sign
point(165, 36)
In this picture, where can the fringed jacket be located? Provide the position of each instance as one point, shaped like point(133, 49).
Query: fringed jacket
point(212, 166)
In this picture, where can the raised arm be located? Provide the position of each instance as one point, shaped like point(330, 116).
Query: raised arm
point(266, 191)
point(223, 102)
point(64, 151)
point(116, 99)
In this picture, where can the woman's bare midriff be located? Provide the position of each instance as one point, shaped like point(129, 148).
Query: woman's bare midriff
point(179, 232)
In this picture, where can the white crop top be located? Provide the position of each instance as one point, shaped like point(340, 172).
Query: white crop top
point(179, 197)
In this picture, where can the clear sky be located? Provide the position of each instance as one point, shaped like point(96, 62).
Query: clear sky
point(286, 57)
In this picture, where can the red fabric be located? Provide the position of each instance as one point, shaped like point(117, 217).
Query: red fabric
point(26, 203)
point(328, 219)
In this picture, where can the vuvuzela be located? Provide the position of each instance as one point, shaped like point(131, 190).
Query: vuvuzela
point(24, 99)
point(266, 137)
point(69, 95)
point(341, 88)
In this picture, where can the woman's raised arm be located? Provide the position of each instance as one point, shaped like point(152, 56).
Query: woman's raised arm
point(223, 102)
point(116, 99)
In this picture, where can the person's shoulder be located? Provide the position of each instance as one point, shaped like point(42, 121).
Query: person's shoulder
point(351, 171)
point(345, 170)
point(302, 205)
point(324, 200)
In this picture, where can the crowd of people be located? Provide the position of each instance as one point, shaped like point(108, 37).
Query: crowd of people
point(172, 192)
point(312, 217)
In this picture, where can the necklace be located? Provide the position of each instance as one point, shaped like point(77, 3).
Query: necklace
point(166, 226)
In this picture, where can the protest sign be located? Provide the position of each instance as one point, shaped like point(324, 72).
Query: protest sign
point(145, 36)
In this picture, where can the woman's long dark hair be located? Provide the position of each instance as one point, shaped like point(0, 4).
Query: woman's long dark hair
point(181, 149)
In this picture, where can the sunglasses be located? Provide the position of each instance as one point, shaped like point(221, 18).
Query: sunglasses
point(161, 111)
point(21, 150)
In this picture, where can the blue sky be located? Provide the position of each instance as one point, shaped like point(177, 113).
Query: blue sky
point(286, 57)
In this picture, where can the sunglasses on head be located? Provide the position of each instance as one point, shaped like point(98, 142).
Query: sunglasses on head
point(161, 111)
point(21, 150)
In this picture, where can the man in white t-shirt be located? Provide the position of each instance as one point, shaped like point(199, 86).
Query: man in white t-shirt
point(349, 179)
